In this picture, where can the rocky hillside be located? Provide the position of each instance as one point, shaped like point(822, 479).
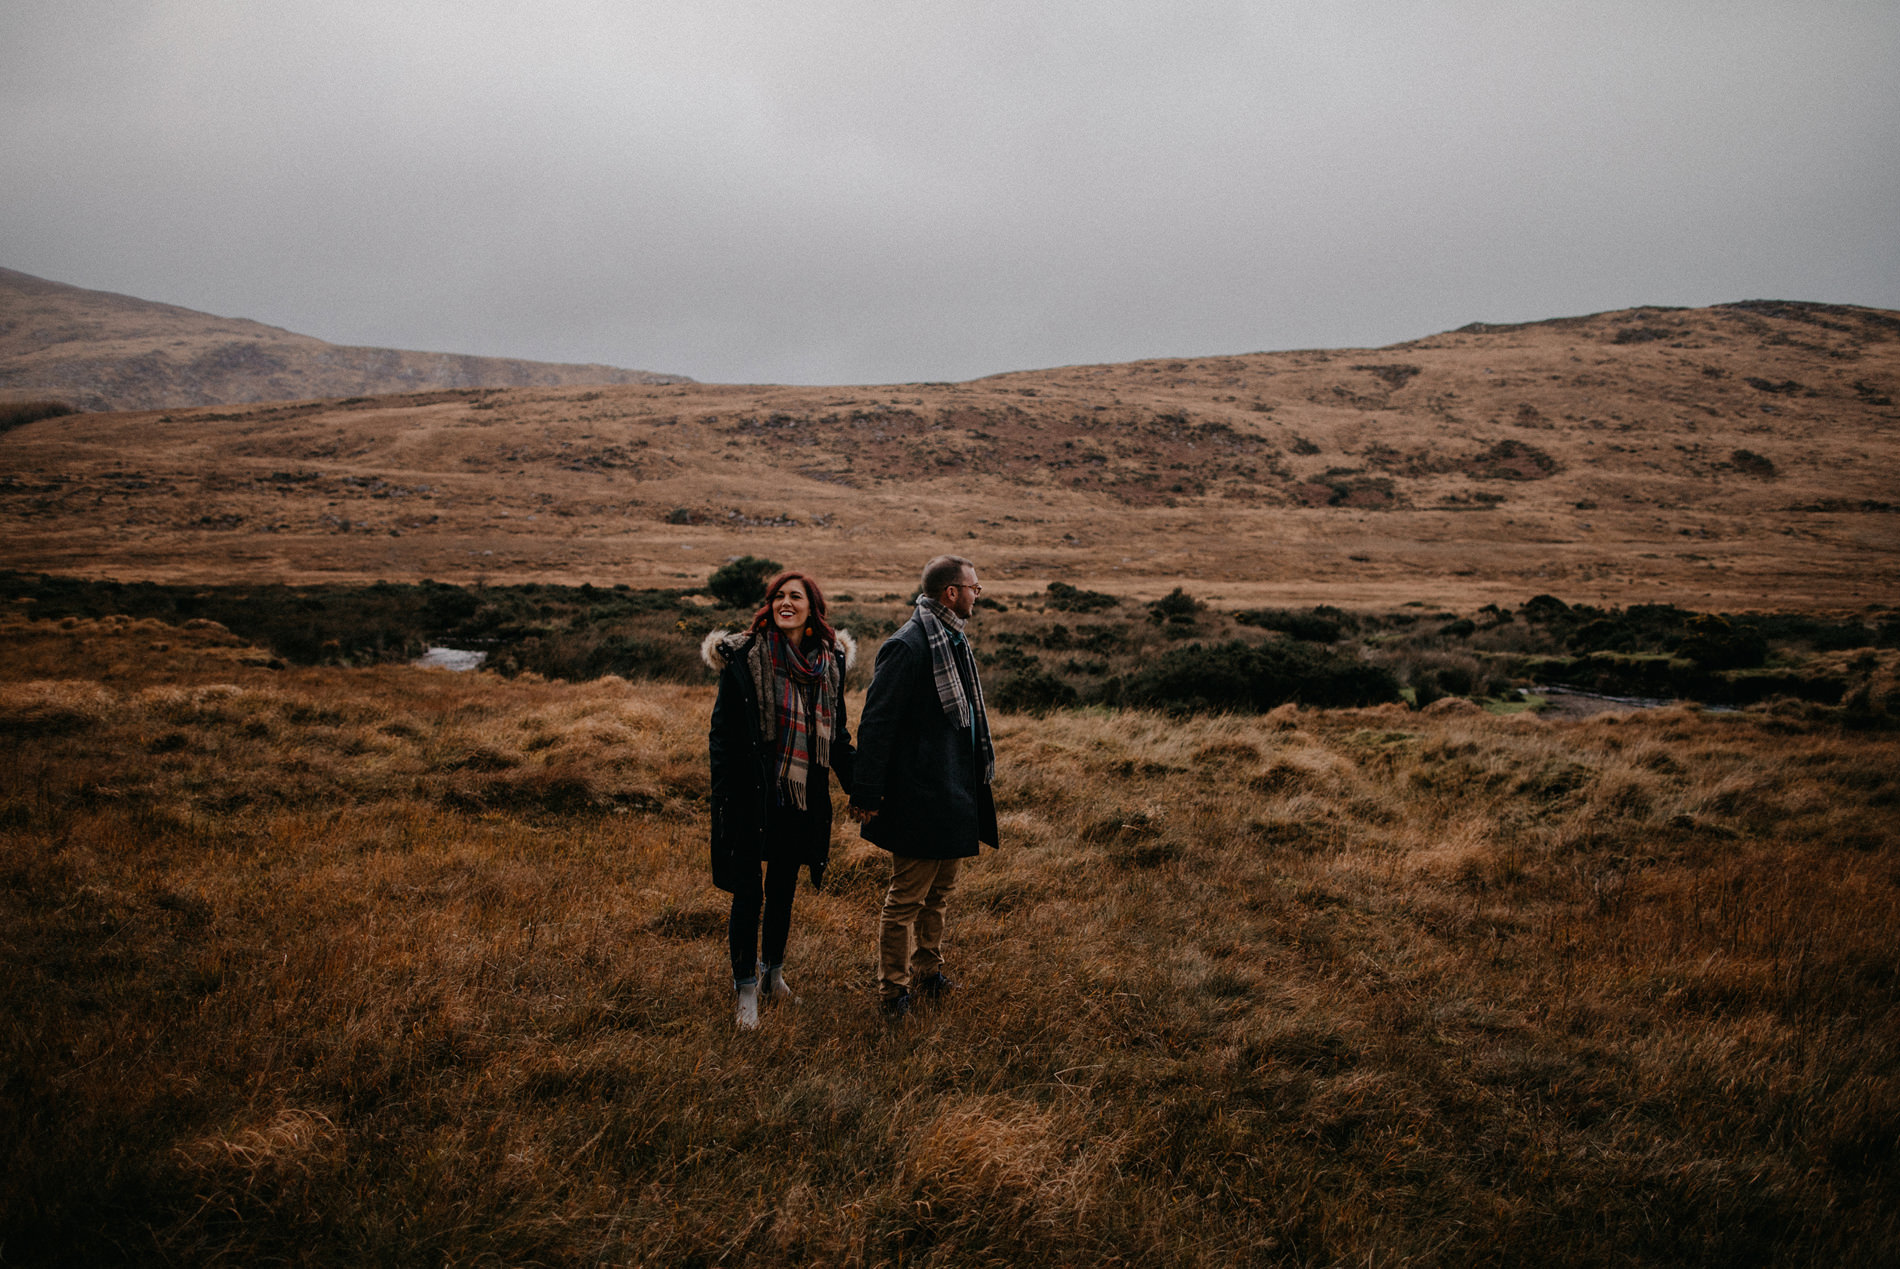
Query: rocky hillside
point(98, 351)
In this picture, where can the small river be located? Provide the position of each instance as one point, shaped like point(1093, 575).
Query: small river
point(449, 659)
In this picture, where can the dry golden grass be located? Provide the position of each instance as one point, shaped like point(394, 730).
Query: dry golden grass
point(330, 966)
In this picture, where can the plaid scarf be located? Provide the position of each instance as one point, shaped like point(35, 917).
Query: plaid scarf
point(943, 630)
point(796, 695)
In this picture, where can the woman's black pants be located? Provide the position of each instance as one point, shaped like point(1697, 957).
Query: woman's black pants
point(742, 929)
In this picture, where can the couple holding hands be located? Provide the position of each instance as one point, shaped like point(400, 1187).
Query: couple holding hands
point(918, 778)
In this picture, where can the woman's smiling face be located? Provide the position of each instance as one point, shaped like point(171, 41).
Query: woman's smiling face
point(791, 606)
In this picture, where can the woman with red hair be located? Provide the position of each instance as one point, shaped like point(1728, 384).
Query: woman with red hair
point(778, 730)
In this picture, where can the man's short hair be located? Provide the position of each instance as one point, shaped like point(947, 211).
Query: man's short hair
point(944, 571)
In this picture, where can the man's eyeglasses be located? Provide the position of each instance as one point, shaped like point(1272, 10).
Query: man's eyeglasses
point(975, 588)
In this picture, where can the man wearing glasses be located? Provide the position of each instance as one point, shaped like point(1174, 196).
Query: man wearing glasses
point(922, 786)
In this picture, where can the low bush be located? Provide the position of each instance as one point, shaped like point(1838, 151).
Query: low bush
point(594, 653)
point(19, 413)
point(1311, 626)
point(1033, 690)
point(741, 583)
point(1066, 598)
point(1241, 676)
point(557, 631)
point(1716, 643)
point(1434, 675)
point(1544, 608)
point(1177, 606)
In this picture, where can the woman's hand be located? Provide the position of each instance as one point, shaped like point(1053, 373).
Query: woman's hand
point(861, 815)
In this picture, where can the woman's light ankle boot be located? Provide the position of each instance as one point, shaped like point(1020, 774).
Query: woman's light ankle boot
point(773, 984)
point(747, 1013)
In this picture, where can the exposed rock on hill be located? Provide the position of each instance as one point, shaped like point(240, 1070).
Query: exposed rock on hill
point(100, 351)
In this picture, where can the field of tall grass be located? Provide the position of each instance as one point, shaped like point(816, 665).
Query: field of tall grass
point(326, 965)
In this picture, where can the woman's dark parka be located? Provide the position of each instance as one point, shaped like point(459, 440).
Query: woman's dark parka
point(743, 769)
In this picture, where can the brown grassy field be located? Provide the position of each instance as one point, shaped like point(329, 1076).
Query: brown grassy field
point(1733, 457)
point(331, 966)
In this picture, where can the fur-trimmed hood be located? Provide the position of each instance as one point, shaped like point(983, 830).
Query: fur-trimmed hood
point(717, 648)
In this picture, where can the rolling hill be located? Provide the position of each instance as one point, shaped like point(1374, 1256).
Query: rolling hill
point(1735, 456)
point(98, 351)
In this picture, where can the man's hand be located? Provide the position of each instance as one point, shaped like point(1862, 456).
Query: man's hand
point(861, 815)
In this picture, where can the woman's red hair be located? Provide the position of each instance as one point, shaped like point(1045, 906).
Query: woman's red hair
point(816, 623)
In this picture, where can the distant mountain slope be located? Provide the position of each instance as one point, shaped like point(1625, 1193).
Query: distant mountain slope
point(100, 351)
point(1719, 458)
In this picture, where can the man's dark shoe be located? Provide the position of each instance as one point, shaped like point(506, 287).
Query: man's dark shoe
point(896, 1006)
point(935, 986)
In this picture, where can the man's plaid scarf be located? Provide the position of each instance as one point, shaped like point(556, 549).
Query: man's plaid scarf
point(966, 709)
point(797, 699)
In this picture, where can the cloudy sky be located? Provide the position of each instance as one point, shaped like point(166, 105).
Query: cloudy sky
point(815, 191)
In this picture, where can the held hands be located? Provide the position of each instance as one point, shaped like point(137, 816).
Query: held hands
point(861, 815)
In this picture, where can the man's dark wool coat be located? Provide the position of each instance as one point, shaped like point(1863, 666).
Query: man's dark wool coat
point(744, 770)
point(916, 768)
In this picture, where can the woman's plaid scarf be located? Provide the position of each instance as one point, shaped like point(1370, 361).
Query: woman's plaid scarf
point(796, 694)
point(968, 710)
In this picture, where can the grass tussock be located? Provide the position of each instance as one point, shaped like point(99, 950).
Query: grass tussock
point(330, 966)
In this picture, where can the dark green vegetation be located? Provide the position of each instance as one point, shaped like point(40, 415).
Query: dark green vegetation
point(1663, 650)
point(1178, 655)
point(1067, 647)
point(570, 632)
point(741, 583)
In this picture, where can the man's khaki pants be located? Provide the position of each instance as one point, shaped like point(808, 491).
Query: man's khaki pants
point(913, 906)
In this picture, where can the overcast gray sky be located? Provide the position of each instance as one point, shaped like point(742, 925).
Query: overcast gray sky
point(832, 192)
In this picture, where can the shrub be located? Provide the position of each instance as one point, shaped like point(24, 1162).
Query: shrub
point(1033, 691)
point(1820, 633)
point(19, 413)
point(740, 583)
point(1511, 460)
point(1750, 463)
point(1544, 608)
point(592, 654)
point(1310, 626)
point(1456, 678)
point(557, 631)
point(1176, 606)
point(1348, 487)
point(1602, 635)
point(1716, 643)
point(1066, 598)
point(1432, 674)
point(1239, 676)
